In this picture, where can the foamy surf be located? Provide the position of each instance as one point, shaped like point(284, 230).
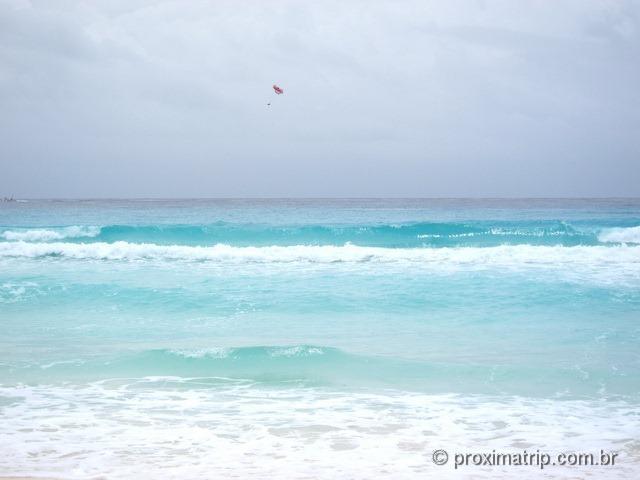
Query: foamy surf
point(500, 255)
point(621, 235)
point(50, 234)
point(581, 263)
point(184, 428)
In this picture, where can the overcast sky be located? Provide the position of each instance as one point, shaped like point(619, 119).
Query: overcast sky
point(146, 98)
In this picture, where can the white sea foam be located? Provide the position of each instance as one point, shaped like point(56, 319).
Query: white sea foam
point(295, 351)
point(178, 428)
point(50, 234)
point(505, 232)
point(607, 265)
point(221, 352)
point(504, 255)
point(204, 352)
point(620, 235)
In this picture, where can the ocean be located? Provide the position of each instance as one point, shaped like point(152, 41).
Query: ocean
point(318, 338)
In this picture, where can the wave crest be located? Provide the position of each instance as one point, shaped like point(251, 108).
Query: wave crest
point(620, 235)
point(504, 255)
point(408, 235)
point(314, 365)
point(47, 235)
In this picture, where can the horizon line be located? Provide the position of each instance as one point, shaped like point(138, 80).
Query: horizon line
point(320, 197)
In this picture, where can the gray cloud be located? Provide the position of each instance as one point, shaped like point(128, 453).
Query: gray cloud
point(168, 98)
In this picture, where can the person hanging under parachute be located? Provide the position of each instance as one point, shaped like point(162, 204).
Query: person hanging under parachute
point(278, 91)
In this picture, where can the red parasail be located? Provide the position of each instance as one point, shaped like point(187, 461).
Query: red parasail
point(277, 89)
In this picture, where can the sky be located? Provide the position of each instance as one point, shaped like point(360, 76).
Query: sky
point(168, 98)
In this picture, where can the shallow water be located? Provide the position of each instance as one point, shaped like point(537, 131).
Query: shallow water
point(316, 338)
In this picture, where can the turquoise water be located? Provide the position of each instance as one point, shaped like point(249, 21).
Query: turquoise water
point(314, 322)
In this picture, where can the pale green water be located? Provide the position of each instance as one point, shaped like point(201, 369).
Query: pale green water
point(109, 305)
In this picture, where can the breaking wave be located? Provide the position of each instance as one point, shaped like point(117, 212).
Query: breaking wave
point(49, 234)
point(620, 235)
point(432, 234)
point(498, 255)
point(320, 365)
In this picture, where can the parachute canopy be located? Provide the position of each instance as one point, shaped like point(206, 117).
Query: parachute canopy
point(277, 89)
